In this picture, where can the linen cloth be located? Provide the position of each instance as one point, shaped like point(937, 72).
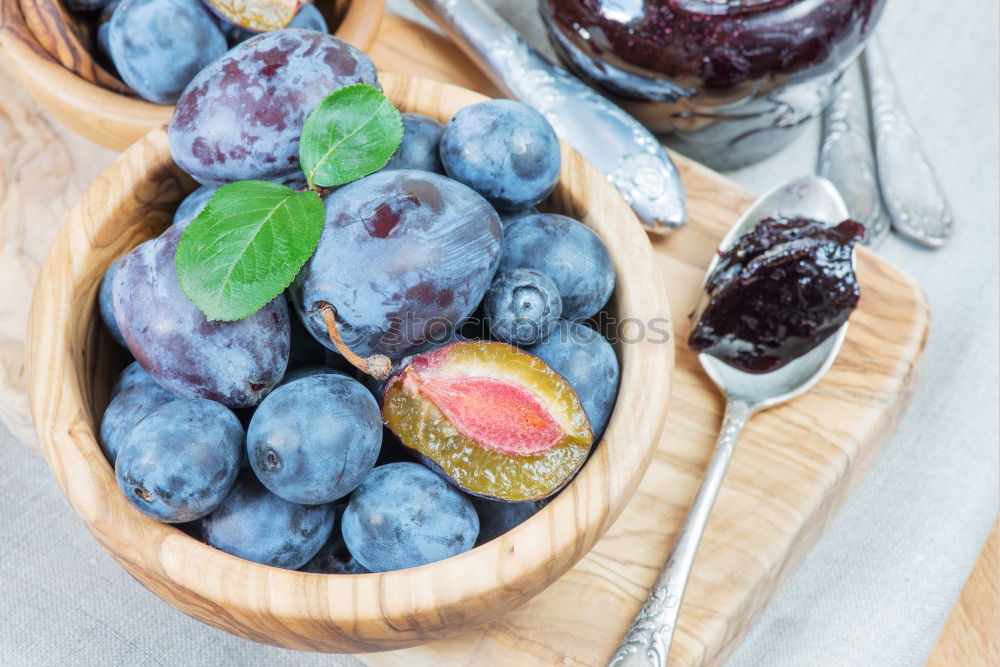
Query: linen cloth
point(877, 587)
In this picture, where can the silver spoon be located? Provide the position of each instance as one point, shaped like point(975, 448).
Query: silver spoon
point(910, 189)
point(648, 639)
point(617, 144)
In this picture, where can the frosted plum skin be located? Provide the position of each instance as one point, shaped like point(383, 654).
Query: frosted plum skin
point(313, 440)
point(158, 46)
point(404, 257)
point(403, 515)
point(179, 463)
point(241, 117)
point(192, 206)
point(126, 409)
point(419, 148)
point(254, 524)
point(569, 253)
point(105, 305)
point(233, 363)
point(504, 150)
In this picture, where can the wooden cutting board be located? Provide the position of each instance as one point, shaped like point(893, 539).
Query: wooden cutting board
point(794, 467)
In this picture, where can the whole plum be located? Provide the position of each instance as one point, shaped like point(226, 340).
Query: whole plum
point(419, 148)
point(233, 363)
point(313, 440)
point(179, 463)
point(158, 46)
point(254, 524)
point(504, 150)
point(569, 253)
point(521, 306)
point(241, 117)
point(405, 257)
point(133, 376)
point(126, 409)
point(403, 515)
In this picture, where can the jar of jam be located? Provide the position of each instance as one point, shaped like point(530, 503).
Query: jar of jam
point(729, 82)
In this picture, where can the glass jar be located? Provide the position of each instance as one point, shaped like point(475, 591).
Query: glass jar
point(729, 82)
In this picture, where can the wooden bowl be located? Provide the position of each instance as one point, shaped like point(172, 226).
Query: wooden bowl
point(98, 112)
point(72, 363)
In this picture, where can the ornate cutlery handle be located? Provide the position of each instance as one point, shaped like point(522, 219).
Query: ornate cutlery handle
point(913, 197)
point(616, 143)
point(846, 159)
point(647, 642)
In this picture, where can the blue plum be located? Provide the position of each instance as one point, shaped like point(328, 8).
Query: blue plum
point(405, 257)
point(158, 46)
point(497, 517)
point(521, 306)
point(179, 463)
point(334, 557)
point(504, 150)
point(126, 409)
point(588, 362)
point(233, 363)
point(313, 440)
point(133, 375)
point(192, 206)
point(254, 524)
point(419, 148)
point(403, 515)
point(105, 304)
point(241, 117)
point(569, 253)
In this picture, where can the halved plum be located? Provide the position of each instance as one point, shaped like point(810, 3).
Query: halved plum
point(496, 421)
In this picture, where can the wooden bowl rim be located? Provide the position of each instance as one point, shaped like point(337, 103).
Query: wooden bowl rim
point(359, 27)
point(570, 525)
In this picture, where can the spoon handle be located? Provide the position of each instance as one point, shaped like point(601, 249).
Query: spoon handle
point(647, 642)
point(913, 197)
point(615, 142)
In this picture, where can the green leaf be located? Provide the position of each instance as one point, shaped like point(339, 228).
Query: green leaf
point(246, 246)
point(351, 133)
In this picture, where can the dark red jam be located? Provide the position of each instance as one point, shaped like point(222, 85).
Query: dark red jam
point(702, 44)
point(778, 292)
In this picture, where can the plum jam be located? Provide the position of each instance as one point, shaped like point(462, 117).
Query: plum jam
point(727, 79)
point(778, 292)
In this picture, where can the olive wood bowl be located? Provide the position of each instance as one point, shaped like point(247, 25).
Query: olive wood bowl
point(47, 57)
point(72, 362)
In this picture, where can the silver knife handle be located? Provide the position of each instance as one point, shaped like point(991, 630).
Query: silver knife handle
point(846, 159)
point(913, 197)
point(617, 144)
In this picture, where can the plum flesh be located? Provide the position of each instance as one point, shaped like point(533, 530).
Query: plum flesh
point(503, 426)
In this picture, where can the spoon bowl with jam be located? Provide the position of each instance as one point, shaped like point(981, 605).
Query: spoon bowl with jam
point(769, 324)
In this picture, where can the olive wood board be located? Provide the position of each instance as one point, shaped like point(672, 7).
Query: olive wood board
point(794, 467)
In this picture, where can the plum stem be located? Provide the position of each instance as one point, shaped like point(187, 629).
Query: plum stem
point(378, 365)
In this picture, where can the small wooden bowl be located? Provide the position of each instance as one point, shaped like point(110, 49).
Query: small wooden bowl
point(105, 116)
point(72, 363)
